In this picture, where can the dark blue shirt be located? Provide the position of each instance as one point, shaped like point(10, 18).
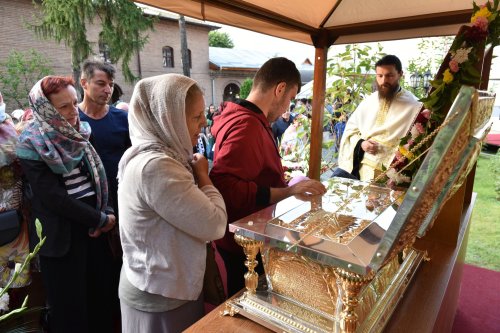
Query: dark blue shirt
point(279, 127)
point(110, 138)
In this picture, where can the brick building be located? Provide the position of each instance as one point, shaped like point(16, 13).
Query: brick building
point(164, 42)
point(220, 72)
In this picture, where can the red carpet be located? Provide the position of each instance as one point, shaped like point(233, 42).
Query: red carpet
point(479, 304)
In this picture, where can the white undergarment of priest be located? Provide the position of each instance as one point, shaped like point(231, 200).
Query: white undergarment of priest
point(373, 131)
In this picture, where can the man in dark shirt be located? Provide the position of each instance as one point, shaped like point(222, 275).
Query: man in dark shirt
point(110, 138)
point(109, 125)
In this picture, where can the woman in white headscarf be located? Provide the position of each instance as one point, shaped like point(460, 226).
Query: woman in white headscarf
point(168, 207)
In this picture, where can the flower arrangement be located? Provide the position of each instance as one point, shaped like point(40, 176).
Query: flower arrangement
point(458, 68)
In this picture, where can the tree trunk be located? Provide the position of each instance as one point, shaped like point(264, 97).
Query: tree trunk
point(77, 72)
point(184, 46)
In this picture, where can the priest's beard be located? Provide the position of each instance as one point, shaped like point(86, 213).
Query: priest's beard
point(387, 91)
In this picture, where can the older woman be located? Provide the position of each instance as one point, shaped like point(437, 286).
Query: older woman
point(70, 200)
point(168, 206)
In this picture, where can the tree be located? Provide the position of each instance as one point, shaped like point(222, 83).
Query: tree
point(246, 86)
point(220, 39)
point(355, 67)
point(122, 23)
point(19, 73)
point(432, 53)
point(184, 46)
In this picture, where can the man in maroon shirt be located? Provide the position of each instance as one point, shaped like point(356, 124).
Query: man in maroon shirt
point(247, 166)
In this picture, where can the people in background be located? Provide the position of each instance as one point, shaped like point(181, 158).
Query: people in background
point(339, 129)
point(70, 198)
point(210, 115)
point(280, 125)
point(247, 166)
point(169, 208)
point(373, 131)
point(25, 119)
point(116, 95)
point(122, 106)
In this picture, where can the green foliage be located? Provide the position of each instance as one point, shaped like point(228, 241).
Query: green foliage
point(296, 153)
point(220, 39)
point(432, 53)
point(495, 168)
point(122, 23)
point(246, 86)
point(19, 73)
point(355, 67)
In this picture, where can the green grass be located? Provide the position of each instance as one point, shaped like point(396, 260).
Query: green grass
point(484, 238)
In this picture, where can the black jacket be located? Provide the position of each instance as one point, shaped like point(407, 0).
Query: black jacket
point(56, 210)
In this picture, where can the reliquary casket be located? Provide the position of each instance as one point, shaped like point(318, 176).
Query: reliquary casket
point(341, 262)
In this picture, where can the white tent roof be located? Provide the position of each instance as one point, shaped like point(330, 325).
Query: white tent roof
point(306, 91)
point(341, 21)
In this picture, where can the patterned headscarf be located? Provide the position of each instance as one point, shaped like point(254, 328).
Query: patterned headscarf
point(50, 138)
point(157, 119)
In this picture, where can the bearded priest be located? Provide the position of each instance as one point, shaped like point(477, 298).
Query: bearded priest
point(374, 129)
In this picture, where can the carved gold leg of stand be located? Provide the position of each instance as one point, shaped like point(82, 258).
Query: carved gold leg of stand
point(352, 284)
point(251, 247)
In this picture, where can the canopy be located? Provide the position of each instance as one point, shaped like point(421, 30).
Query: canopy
point(345, 21)
point(325, 22)
point(306, 91)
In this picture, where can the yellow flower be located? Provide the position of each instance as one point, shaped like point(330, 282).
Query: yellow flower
point(447, 76)
point(483, 12)
point(406, 153)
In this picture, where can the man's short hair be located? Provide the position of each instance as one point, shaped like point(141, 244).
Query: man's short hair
point(90, 66)
point(274, 71)
point(390, 60)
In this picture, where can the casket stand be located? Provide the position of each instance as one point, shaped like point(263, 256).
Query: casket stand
point(342, 262)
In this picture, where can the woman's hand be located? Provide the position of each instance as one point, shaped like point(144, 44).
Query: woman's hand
point(110, 225)
point(200, 170)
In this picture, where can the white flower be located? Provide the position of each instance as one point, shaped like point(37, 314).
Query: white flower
point(397, 177)
point(4, 302)
point(414, 132)
point(461, 55)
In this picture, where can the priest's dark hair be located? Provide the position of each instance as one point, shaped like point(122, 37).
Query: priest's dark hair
point(390, 60)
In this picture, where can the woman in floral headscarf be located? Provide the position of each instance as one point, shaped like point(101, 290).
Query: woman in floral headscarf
point(69, 189)
point(168, 206)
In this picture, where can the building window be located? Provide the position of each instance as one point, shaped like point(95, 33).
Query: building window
point(168, 56)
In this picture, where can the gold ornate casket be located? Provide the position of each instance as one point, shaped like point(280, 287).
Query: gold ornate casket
point(341, 262)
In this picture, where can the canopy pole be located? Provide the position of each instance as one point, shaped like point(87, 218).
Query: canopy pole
point(321, 42)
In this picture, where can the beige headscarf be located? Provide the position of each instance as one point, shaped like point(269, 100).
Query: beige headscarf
point(157, 119)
